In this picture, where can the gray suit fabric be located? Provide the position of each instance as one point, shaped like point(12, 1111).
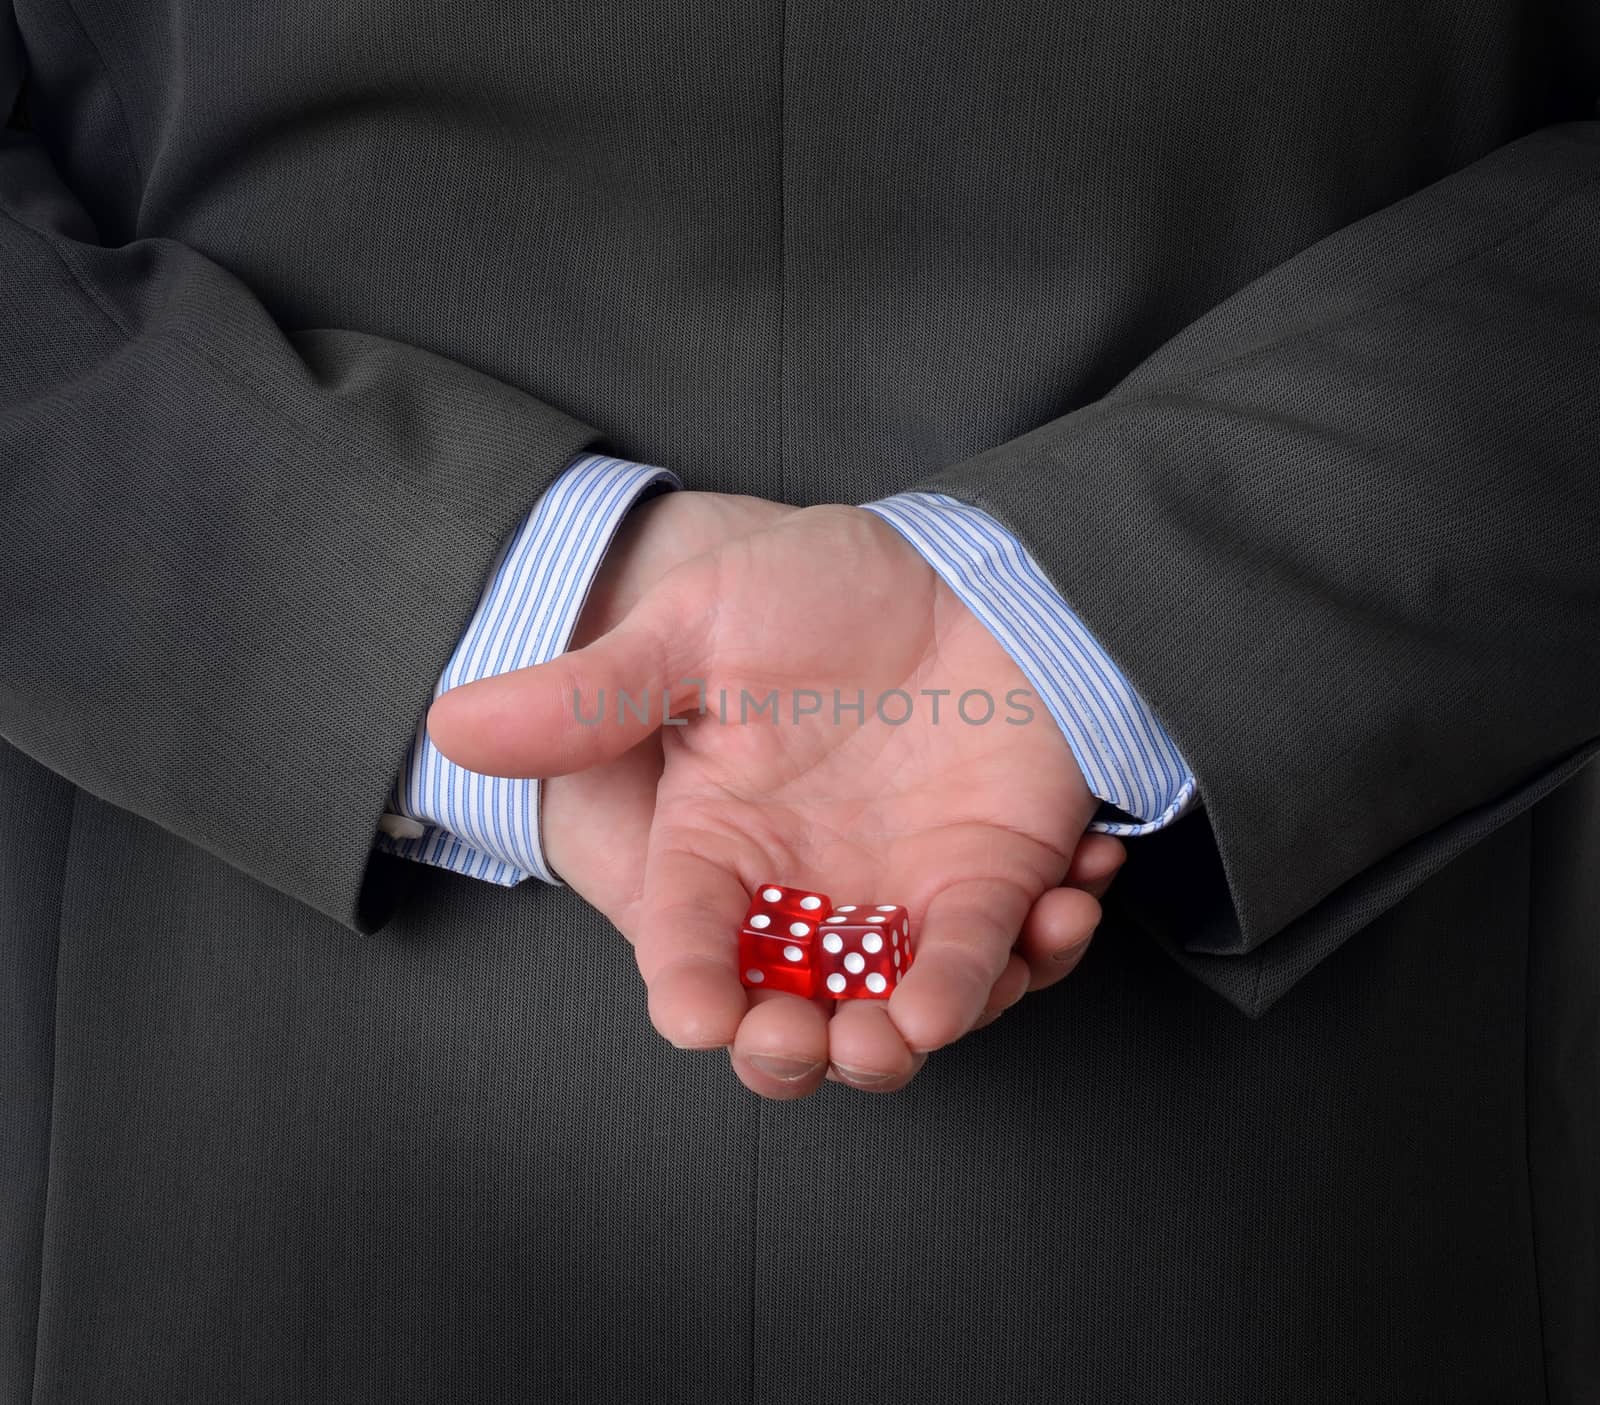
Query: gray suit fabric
point(1274, 332)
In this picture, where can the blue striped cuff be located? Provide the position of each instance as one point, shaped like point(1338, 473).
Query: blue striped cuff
point(1126, 756)
point(488, 826)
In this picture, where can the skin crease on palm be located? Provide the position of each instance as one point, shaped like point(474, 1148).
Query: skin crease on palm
point(666, 830)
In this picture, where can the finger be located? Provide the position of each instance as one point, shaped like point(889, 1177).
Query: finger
point(686, 948)
point(1095, 862)
point(586, 707)
point(967, 935)
point(1056, 933)
point(1010, 988)
point(781, 1049)
point(866, 1051)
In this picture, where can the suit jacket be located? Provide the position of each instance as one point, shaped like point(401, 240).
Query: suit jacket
point(1272, 330)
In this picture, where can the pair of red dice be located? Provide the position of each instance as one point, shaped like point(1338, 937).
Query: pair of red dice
point(797, 941)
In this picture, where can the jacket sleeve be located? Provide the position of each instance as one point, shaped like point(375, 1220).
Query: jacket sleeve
point(1367, 492)
point(235, 559)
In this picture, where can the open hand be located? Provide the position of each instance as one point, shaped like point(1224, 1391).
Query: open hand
point(971, 820)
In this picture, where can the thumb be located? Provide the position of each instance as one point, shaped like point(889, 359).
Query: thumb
point(581, 709)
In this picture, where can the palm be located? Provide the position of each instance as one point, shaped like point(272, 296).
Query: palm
point(967, 822)
point(863, 801)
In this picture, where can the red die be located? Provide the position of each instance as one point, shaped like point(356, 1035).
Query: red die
point(866, 949)
point(778, 941)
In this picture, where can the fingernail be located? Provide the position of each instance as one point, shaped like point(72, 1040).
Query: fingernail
point(1066, 954)
point(861, 1077)
point(784, 1070)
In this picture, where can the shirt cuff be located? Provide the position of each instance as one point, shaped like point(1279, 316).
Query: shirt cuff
point(1126, 756)
point(488, 826)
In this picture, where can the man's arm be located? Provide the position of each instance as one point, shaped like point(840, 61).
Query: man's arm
point(236, 559)
point(1366, 489)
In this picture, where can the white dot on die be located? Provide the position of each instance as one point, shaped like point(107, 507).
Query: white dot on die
point(872, 942)
point(831, 920)
point(848, 907)
point(836, 983)
point(754, 976)
point(897, 960)
point(855, 963)
point(894, 939)
point(792, 953)
point(876, 983)
point(761, 920)
point(811, 904)
point(877, 919)
point(887, 907)
point(833, 942)
point(798, 929)
point(772, 895)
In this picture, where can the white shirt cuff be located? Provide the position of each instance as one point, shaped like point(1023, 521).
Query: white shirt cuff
point(488, 826)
